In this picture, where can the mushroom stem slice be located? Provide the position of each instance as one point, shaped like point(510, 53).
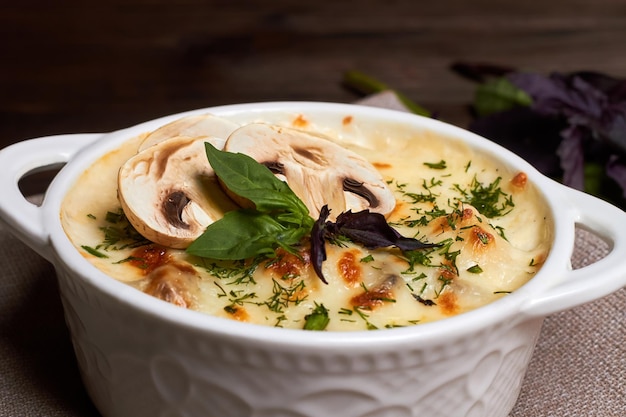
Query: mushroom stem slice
point(318, 170)
point(170, 193)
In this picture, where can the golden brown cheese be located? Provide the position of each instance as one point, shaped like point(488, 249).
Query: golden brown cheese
point(491, 224)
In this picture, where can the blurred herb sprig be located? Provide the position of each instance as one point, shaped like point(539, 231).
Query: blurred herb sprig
point(570, 126)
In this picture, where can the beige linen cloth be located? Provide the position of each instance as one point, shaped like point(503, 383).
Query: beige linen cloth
point(578, 368)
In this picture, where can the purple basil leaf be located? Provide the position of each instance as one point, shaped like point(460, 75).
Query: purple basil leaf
point(614, 130)
point(565, 96)
point(372, 231)
point(616, 169)
point(572, 158)
point(559, 95)
point(614, 88)
point(366, 228)
point(318, 239)
point(592, 102)
point(592, 105)
point(532, 136)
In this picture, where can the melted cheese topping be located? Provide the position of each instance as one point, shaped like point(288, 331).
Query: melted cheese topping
point(486, 250)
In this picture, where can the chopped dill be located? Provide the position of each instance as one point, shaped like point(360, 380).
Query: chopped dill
point(115, 217)
point(437, 165)
point(489, 199)
point(94, 252)
point(282, 296)
point(235, 272)
point(369, 325)
point(444, 283)
point(500, 231)
point(119, 233)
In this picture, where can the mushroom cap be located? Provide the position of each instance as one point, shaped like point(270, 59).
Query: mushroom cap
point(203, 125)
point(170, 193)
point(319, 171)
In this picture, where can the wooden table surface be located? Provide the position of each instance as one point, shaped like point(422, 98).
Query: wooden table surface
point(74, 66)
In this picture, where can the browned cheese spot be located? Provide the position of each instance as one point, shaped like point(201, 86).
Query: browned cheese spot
point(148, 258)
point(448, 303)
point(453, 221)
point(288, 265)
point(300, 122)
point(520, 180)
point(349, 268)
point(480, 239)
point(377, 296)
point(382, 165)
point(398, 209)
point(238, 313)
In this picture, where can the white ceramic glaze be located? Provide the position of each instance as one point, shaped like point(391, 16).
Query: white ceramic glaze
point(140, 356)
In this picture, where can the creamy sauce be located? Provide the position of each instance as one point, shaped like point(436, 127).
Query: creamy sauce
point(480, 258)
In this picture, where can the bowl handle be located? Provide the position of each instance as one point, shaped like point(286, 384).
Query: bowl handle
point(598, 279)
point(23, 218)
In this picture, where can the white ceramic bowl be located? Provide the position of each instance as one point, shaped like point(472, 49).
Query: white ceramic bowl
point(140, 356)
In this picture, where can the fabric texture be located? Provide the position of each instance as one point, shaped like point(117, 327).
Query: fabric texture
point(578, 367)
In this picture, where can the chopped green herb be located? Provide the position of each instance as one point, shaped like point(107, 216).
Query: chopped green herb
point(230, 309)
point(345, 311)
point(114, 217)
point(279, 320)
point(500, 231)
point(369, 325)
point(437, 165)
point(94, 252)
point(235, 272)
point(318, 319)
point(120, 234)
point(444, 283)
point(475, 269)
point(282, 296)
point(433, 183)
point(367, 259)
point(489, 199)
point(240, 297)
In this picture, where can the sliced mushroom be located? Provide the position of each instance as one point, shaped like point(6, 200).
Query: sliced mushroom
point(319, 171)
point(175, 283)
point(170, 193)
point(193, 126)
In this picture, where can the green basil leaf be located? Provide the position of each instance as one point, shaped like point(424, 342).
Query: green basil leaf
point(238, 235)
point(249, 179)
point(498, 95)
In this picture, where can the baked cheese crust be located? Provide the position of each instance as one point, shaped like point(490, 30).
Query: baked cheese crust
point(491, 225)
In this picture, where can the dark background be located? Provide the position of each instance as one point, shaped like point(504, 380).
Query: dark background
point(73, 66)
